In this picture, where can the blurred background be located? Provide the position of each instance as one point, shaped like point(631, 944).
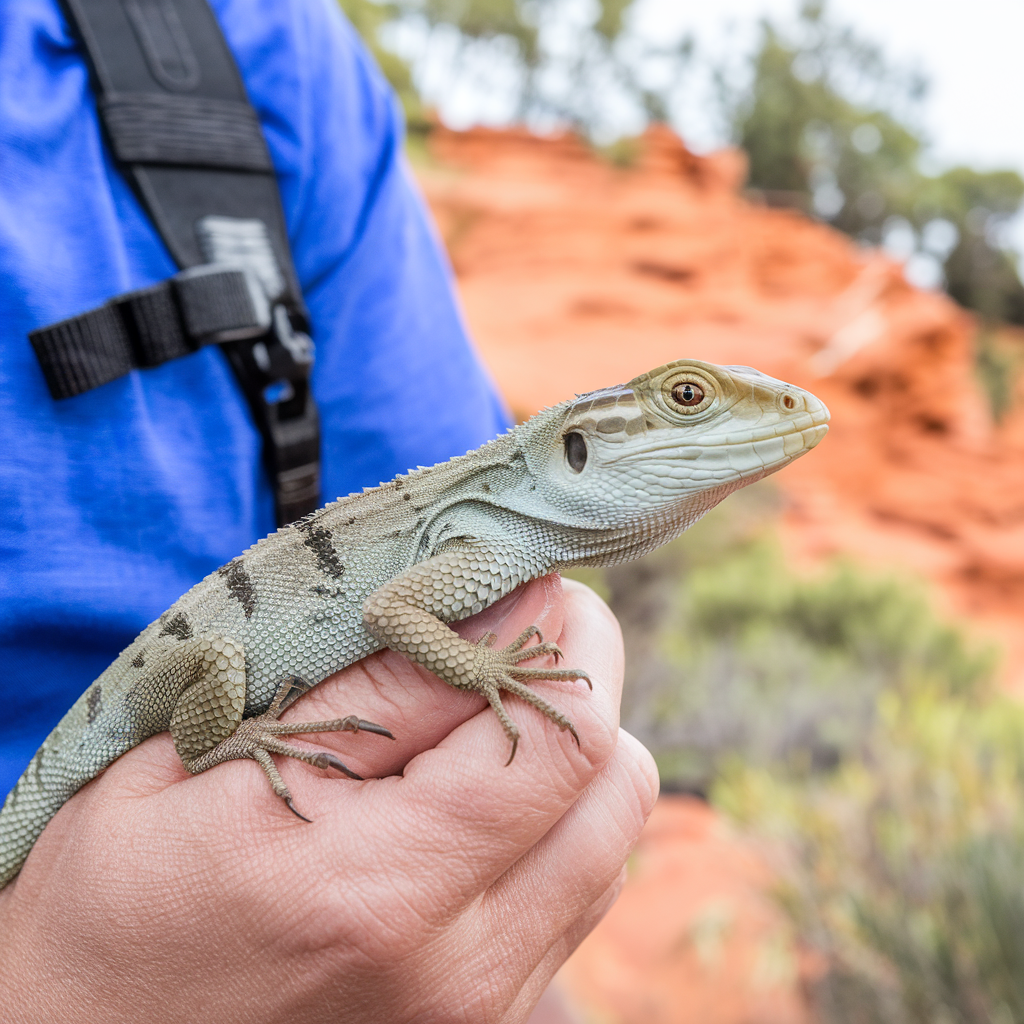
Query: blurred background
point(828, 667)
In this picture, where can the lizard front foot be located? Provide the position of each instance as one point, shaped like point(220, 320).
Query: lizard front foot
point(258, 737)
point(497, 670)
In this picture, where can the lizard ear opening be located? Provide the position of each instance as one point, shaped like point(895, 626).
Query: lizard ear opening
point(575, 451)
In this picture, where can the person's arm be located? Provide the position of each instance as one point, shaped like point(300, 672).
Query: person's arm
point(451, 891)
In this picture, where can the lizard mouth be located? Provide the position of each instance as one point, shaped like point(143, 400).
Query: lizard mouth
point(796, 437)
point(806, 427)
point(778, 447)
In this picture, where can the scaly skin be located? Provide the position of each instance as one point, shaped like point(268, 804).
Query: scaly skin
point(598, 480)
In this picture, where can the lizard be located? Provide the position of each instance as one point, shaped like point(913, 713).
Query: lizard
point(597, 480)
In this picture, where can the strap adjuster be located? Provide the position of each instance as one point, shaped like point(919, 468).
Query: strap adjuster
point(221, 304)
point(211, 303)
point(236, 301)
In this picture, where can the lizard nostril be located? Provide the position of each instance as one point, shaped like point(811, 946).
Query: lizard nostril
point(788, 402)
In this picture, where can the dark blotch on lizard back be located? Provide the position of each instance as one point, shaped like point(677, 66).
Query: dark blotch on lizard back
point(95, 703)
point(240, 585)
point(177, 625)
point(138, 661)
point(318, 540)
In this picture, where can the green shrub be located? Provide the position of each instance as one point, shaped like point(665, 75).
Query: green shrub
point(731, 654)
point(904, 869)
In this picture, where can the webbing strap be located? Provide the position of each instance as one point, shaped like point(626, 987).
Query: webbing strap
point(174, 110)
point(151, 326)
point(84, 352)
point(192, 130)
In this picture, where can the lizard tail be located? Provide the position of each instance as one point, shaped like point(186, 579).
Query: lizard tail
point(27, 809)
point(79, 748)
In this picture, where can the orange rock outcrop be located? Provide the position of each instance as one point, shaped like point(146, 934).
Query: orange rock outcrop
point(575, 274)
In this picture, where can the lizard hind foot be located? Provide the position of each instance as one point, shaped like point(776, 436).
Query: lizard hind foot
point(259, 737)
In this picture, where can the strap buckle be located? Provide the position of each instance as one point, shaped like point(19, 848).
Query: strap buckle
point(274, 370)
point(236, 300)
point(273, 366)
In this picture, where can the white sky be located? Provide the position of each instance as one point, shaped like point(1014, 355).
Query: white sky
point(972, 52)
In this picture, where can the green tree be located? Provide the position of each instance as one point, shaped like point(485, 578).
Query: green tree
point(981, 271)
point(828, 125)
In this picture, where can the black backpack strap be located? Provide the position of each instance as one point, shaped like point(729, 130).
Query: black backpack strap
point(178, 121)
point(151, 326)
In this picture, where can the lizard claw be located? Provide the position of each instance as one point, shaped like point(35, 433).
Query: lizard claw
point(291, 807)
point(364, 726)
point(515, 745)
point(515, 740)
point(537, 651)
point(520, 641)
point(330, 761)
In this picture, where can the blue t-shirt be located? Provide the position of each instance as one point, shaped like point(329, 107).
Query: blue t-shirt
point(114, 503)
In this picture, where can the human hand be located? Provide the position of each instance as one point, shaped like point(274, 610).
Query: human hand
point(451, 892)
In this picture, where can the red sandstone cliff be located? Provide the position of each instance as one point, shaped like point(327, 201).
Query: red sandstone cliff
point(576, 274)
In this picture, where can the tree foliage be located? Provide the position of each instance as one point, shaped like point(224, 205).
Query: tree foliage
point(828, 124)
point(556, 62)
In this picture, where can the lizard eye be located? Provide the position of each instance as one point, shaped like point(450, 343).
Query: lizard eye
point(692, 394)
point(575, 451)
point(688, 394)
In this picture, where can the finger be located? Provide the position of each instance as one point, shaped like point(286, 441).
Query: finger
point(417, 707)
point(385, 688)
point(491, 815)
point(546, 903)
point(532, 991)
point(549, 892)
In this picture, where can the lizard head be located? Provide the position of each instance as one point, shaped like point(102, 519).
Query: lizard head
point(652, 456)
